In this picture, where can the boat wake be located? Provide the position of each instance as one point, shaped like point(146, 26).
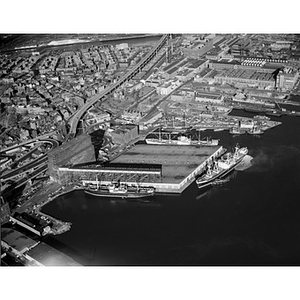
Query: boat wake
point(245, 163)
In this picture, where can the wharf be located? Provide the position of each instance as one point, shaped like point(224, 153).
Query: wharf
point(179, 164)
point(167, 168)
point(41, 198)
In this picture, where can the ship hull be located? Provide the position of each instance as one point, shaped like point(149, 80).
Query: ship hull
point(220, 175)
point(157, 142)
point(237, 132)
point(127, 195)
point(253, 110)
point(179, 143)
point(255, 132)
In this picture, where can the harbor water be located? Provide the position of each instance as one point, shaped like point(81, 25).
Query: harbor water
point(253, 219)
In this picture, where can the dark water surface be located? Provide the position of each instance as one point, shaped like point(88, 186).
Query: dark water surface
point(251, 220)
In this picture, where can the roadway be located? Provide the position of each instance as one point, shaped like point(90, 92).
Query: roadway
point(40, 170)
point(37, 139)
point(23, 169)
point(43, 168)
point(40, 161)
point(91, 101)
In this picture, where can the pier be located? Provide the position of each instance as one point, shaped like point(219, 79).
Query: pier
point(167, 168)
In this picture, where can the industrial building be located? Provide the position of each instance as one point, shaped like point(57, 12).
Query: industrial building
point(30, 252)
point(212, 98)
point(124, 134)
point(253, 77)
point(78, 150)
point(198, 49)
point(287, 78)
point(5, 211)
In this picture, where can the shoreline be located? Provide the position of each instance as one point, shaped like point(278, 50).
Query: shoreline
point(43, 197)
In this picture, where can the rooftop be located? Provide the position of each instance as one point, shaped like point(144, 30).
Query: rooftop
point(177, 161)
point(225, 61)
point(170, 66)
point(16, 239)
point(170, 71)
point(196, 63)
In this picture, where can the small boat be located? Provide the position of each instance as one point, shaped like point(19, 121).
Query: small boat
point(236, 130)
point(261, 118)
point(255, 131)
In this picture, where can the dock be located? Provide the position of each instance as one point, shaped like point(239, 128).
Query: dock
point(167, 168)
point(180, 165)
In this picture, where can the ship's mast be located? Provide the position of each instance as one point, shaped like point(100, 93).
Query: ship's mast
point(209, 170)
point(97, 183)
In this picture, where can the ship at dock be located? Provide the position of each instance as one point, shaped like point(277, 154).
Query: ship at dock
point(256, 130)
point(219, 168)
point(236, 130)
point(119, 190)
point(181, 140)
point(273, 113)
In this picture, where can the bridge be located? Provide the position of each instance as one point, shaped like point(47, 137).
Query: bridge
point(129, 75)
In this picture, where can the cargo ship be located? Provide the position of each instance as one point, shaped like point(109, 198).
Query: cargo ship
point(182, 140)
point(118, 190)
point(256, 130)
point(218, 169)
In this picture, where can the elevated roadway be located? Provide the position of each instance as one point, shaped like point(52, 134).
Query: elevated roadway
point(40, 161)
point(41, 169)
point(127, 76)
point(43, 137)
point(19, 171)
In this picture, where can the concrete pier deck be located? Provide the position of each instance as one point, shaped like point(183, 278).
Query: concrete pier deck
point(180, 164)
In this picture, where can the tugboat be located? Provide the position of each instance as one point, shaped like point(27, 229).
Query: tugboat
point(119, 190)
point(255, 130)
point(221, 167)
point(236, 130)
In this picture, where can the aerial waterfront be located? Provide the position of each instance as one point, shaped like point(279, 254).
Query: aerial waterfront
point(144, 116)
point(250, 220)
